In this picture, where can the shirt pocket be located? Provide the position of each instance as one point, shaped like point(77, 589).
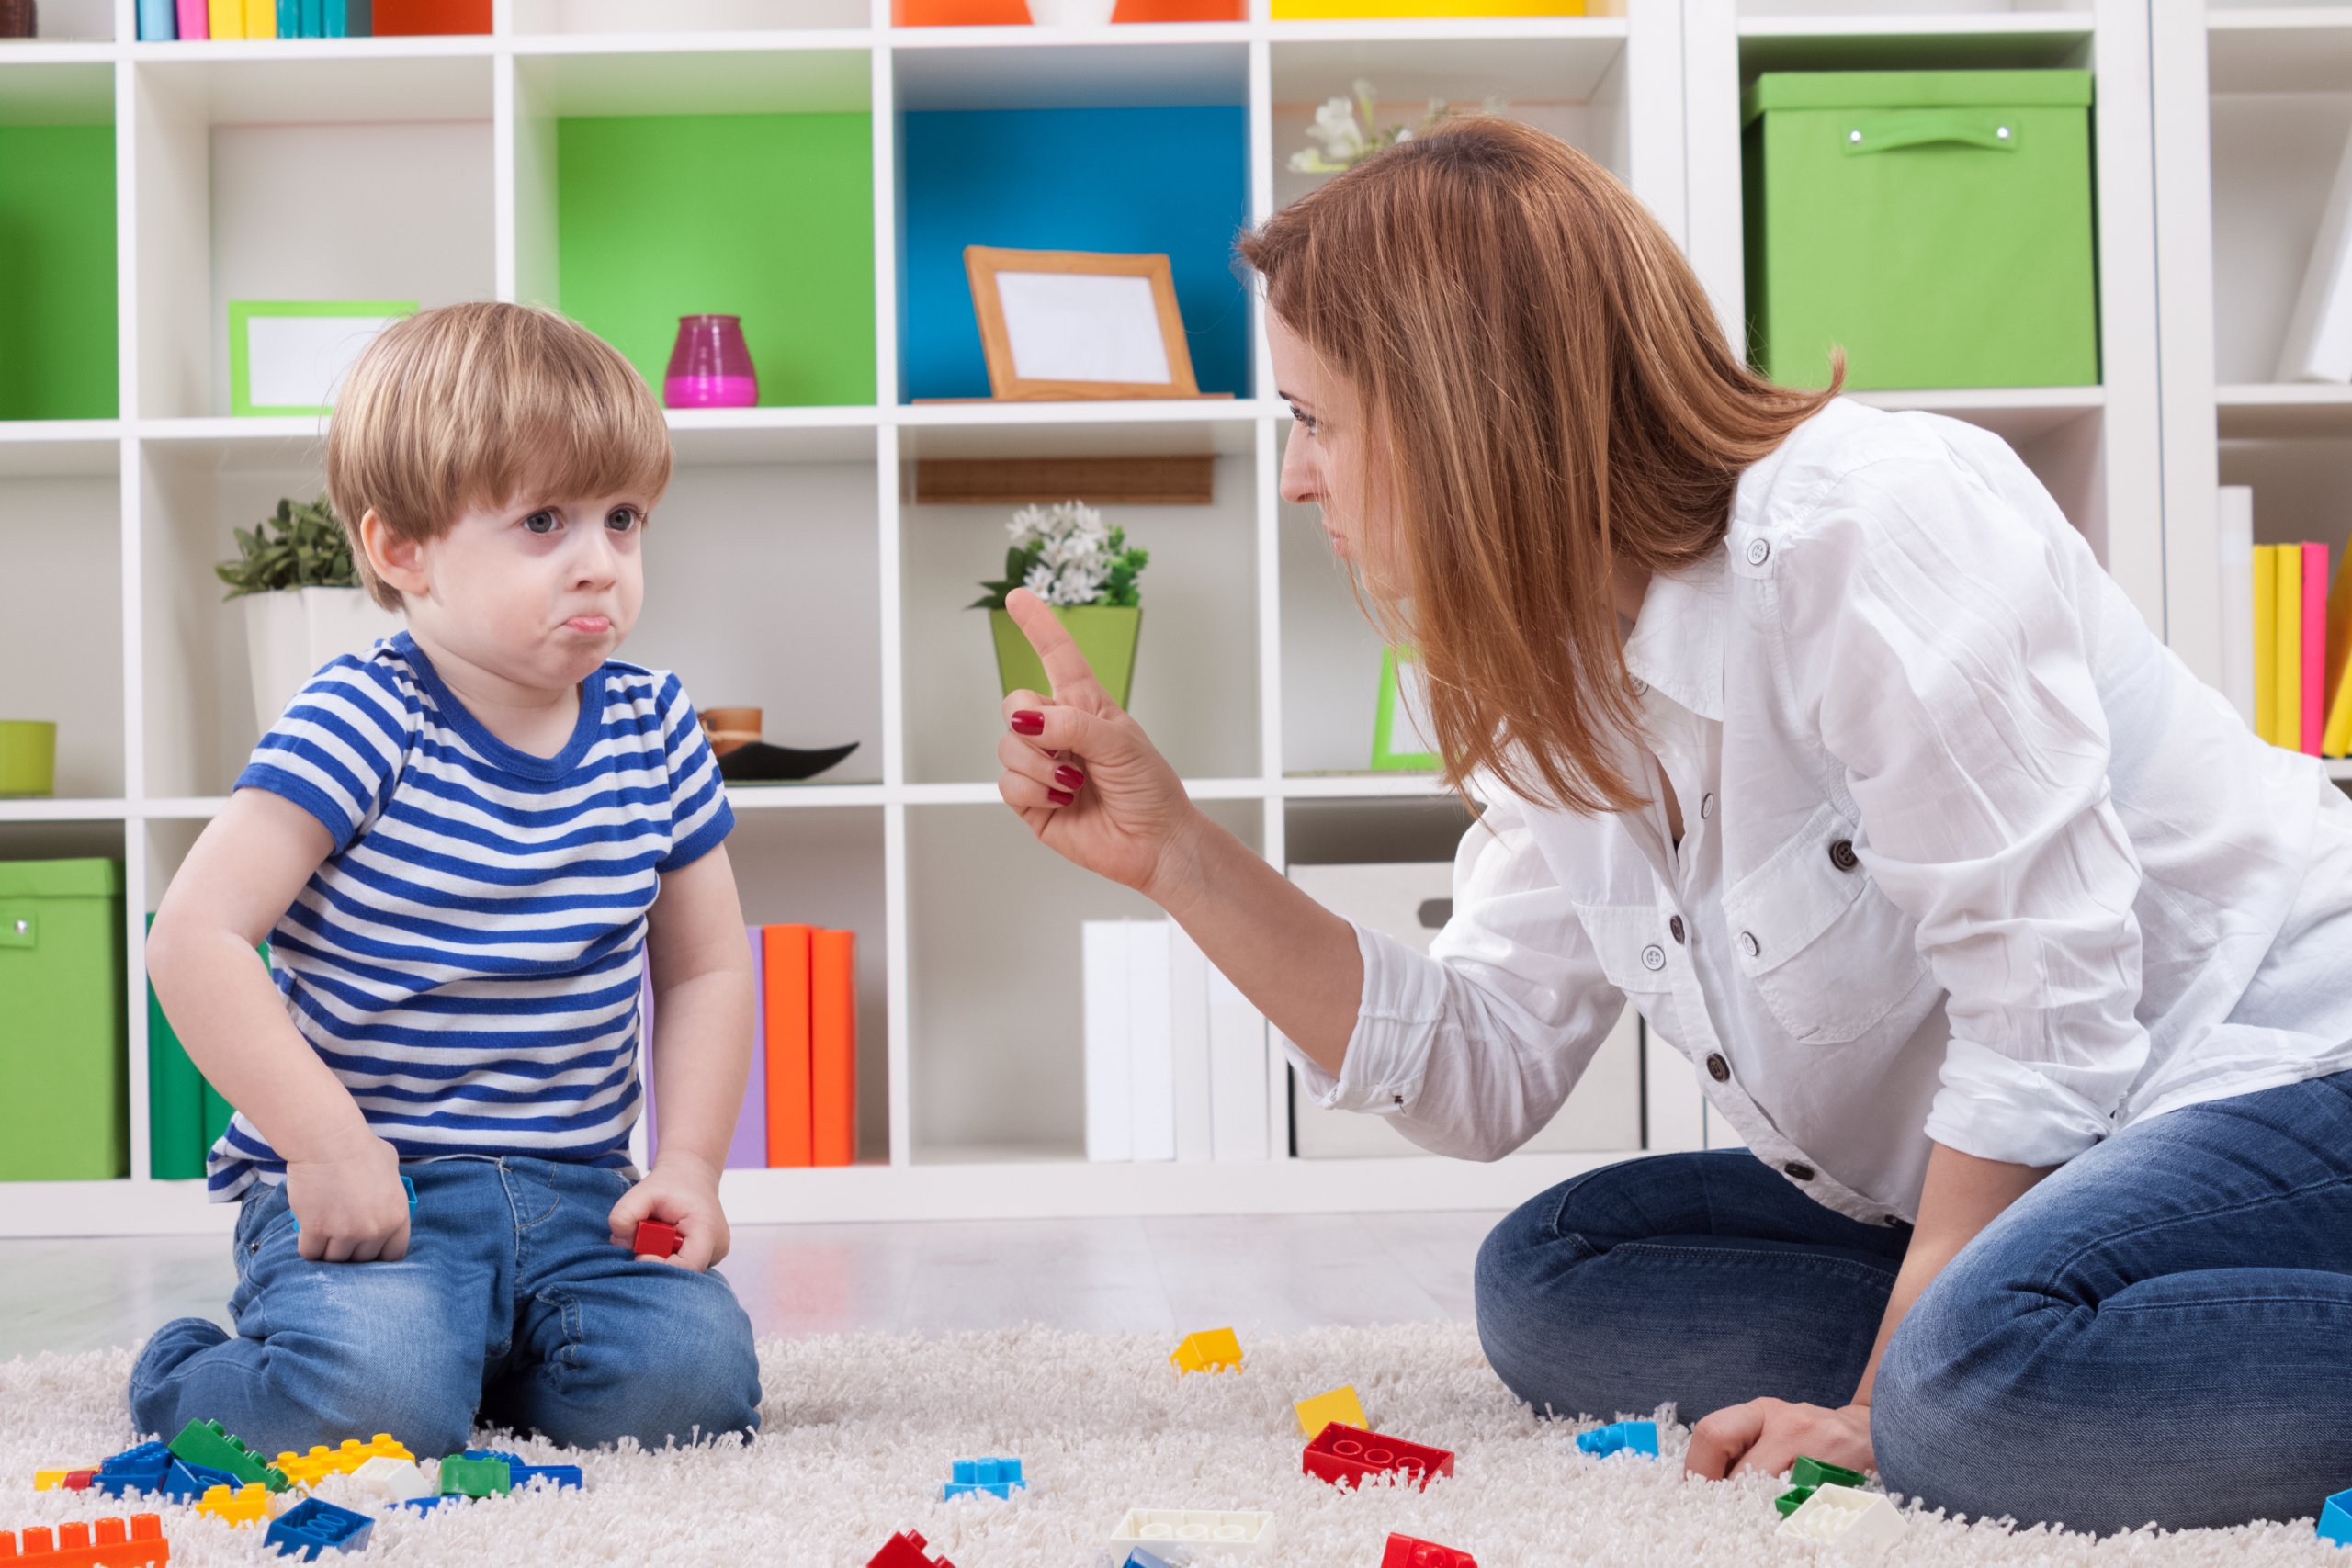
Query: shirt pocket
point(1829, 956)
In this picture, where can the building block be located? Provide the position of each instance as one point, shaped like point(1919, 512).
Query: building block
point(1139, 1558)
point(995, 1476)
point(80, 1479)
point(204, 1443)
point(512, 1461)
point(2335, 1519)
point(1861, 1522)
point(110, 1543)
point(1621, 1437)
point(240, 1506)
point(905, 1549)
point(1404, 1551)
point(309, 1470)
point(426, 1505)
point(1340, 1404)
point(57, 1480)
point(559, 1477)
point(1789, 1502)
point(656, 1239)
point(141, 1468)
point(1210, 1351)
point(1340, 1454)
point(1810, 1472)
point(464, 1477)
point(393, 1480)
point(315, 1525)
point(186, 1483)
point(1227, 1529)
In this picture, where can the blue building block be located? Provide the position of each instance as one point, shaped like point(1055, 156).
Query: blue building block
point(514, 1462)
point(2335, 1519)
point(997, 1477)
point(312, 1525)
point(139, 1469)
point(1621, 1437)
point(426, 1505)
point(556, 1475)
point(186, 1483)
point(1139, 1558)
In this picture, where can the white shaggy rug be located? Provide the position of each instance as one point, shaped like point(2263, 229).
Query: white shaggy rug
point(860, 1433)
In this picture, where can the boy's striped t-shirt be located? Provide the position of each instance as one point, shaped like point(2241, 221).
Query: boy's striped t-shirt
point(467, 959)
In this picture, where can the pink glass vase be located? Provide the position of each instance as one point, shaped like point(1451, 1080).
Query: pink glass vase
point(710, 367)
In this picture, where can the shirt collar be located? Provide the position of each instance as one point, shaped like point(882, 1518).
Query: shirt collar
point(1677, 647)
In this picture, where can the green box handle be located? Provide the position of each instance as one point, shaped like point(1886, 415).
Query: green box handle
point(20, 928)
point(1928, 128)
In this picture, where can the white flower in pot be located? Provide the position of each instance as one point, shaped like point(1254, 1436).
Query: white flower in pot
point(1086, 570)
point(303, 603)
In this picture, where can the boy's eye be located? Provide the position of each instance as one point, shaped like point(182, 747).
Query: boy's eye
point(622, 519)
point(540, 523)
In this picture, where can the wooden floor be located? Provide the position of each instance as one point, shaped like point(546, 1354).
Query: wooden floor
point(1262, 1274)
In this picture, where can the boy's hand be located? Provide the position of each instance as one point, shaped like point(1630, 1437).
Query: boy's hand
point(350, 1205)
point(683, 1191)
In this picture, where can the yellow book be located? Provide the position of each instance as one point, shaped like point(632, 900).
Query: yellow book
point(1390, 10)
point(261, 18)
point(227, 16)
point(2265, 642)
point(2288, 649)
point(2335, 739)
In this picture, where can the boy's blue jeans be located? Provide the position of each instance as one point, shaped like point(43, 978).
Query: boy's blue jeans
point(513, 1302)
point(2159, 1331)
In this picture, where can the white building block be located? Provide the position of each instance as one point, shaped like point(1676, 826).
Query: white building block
point(1165, 1533)
point(1843, 1516)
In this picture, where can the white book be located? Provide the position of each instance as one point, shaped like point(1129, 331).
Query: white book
point(1236, 1072)
point(1188, 1026)
point(2318, 346)
point(2236, 525)
point(1110, 1114)
point(1151, 1056)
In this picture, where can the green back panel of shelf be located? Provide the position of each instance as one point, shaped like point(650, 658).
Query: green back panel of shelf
point(769, 216)
point(57, 306)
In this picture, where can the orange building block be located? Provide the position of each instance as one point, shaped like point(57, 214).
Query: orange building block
point(113, 1543)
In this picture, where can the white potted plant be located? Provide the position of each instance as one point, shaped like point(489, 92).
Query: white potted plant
point(1086, 570)
point(303, 602)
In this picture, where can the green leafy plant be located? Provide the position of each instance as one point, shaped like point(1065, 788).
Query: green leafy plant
point(1065, 556)
point(309, 549)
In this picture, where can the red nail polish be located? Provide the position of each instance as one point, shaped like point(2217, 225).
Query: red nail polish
point(1027, 722)
point(1060, 796)
point(1068, 778)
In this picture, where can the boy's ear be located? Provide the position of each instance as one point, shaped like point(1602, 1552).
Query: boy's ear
point(397, 561)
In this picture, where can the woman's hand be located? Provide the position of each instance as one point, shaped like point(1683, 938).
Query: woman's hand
point(1767, 1436)
point(1083, 775)
point(350, 1208)
point(679, 1190)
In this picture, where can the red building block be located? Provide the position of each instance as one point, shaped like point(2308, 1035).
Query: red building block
point(1340, 1454)
point(80, 1480)
point(115, 1544)
point(905, 1550)
point(1404, 1551)
point(655, 1239)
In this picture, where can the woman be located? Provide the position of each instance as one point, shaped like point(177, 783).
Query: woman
point(1818, 734)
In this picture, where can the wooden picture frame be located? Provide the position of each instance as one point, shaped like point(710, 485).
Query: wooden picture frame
point(280, 349)
point(1059, 325)
point(1402, 717)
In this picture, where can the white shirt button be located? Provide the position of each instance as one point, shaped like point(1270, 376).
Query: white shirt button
point(1757, 550)
point(1653, 957)
point(1706, 807)
point(1748, 944)
point(1641, 687)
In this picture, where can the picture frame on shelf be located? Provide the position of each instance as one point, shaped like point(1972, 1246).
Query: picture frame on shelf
point(1060, 325)
point(290, 356)
point(1402, 718)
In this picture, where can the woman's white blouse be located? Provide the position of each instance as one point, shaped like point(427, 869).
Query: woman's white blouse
point(1968, 855)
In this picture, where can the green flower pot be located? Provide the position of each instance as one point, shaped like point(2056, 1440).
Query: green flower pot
point(28, 757)
point(1106, 634)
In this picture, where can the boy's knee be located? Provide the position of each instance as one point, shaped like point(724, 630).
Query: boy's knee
point(697, 1379)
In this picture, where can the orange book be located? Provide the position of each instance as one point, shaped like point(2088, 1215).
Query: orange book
point(832, 1004)
point(783, 952)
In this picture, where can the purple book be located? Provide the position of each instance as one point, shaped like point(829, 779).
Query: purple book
point(749, 1147)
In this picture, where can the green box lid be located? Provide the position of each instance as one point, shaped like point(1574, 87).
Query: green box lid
point(60, 878)
point(1915, 90)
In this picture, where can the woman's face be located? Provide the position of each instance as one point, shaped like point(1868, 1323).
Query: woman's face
point(1324, 462)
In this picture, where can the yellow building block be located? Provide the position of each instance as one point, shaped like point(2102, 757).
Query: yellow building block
point(309, 1470)
point(1339, 1405)
point(1211, 1349)
point(51, 1479)
point(246, 1505)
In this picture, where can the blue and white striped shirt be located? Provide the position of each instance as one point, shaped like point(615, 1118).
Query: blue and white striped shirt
point(467, 959)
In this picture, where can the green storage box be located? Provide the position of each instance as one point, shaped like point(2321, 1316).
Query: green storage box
point(63, 1117)
point(1935, 224)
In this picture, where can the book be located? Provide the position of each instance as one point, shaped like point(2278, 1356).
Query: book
point(313, 18)
point(2265, 642)
point(2336, 736)
point(1188, 1034)
point(748, 1149)
point(1110, 1074)
point(2235, 524)
point(832, 1008)
point(1151, 1048)
point(158, 21)
point(2287, 649)
point(261, 18)
point(334, 20)
point(194, 19)
point(785, 996)
point(228, 18)
point(1236, 1072)
point(2314, 673)
point(288, 18)
point(2318, 346)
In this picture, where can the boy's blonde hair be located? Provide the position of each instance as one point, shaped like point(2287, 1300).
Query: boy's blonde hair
point(481, 405)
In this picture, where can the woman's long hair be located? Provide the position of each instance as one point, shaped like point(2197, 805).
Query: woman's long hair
point(1545, 393)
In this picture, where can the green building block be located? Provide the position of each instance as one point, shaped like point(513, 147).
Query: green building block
point(1792, 1499)
point(476, 1478)
point(204, 1443)
point(1812, 1472)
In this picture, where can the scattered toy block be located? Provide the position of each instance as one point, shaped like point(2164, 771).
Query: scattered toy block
point(1811, 1471)
point(204, 1443)
point(315, 1525)
point(1340, 1404)
point(137, 1542)
point(905, 1549)
point(1404, 1551)
point(1619, 1437)
point(1210, 1351)
point(1227, 1529)
point(656, 1239)
point(393, 1480)
point(2335, 1519)
point(186, 1483)
point(558, 1476)
point(238, 1505)
point(1863, 1522)
point(1789, 1502)
point(49, 1480)
point(476, 1477)
point(309, 1470)
point(997, 1477)
point(80, 1479)
point(1341, 1453)
point(1139, 1558)
point(426, 1505)
point(141, 1468)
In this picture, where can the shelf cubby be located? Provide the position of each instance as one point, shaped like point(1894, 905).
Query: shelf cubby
point(60, 537)
point(58, 345)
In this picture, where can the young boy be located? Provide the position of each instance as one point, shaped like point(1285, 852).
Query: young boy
point(455, 845)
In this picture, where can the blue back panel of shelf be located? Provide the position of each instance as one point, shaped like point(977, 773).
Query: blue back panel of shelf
point(1172, 180)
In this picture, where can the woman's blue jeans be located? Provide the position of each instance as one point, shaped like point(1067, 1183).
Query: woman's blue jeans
point(513, 1302)
point(2160, 1332)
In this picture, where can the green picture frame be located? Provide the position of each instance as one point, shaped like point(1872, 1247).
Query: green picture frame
point(1396, 722)
point(299, 343)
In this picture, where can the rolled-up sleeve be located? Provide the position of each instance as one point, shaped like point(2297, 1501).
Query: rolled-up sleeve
point(1949, 636)
point(1474, 1048)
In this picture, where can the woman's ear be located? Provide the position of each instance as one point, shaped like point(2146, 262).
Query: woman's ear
point(397, 561)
